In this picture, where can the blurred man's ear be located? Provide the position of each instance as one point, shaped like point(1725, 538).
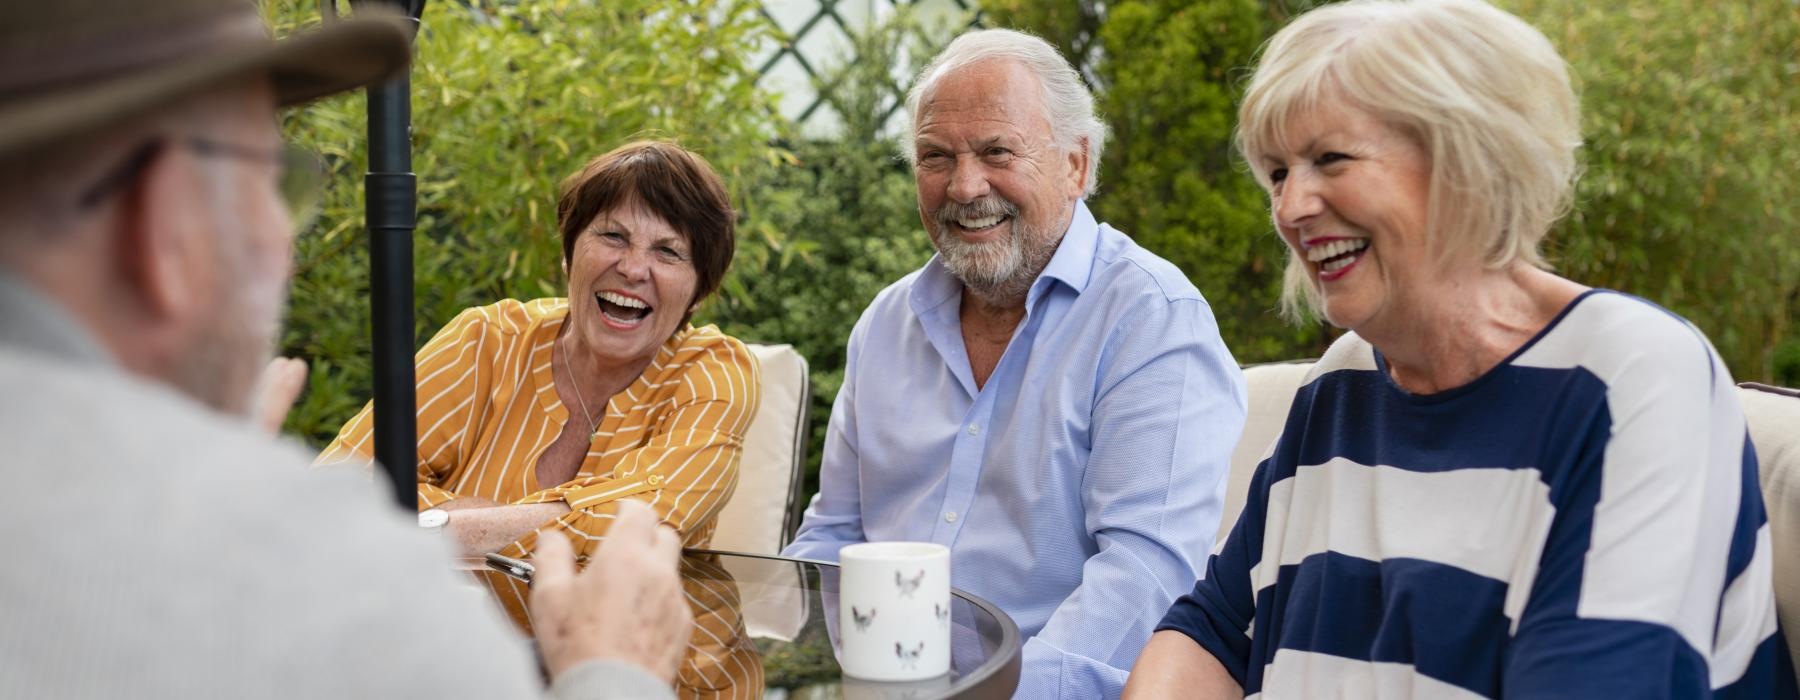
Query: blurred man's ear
point(162, 229)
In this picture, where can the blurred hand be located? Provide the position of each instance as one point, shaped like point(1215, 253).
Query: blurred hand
point(627, 605)
point(280, 384)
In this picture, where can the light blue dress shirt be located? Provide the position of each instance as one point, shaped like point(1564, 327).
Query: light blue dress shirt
point(1080, 488)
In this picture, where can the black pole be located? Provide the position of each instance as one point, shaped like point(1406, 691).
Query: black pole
point(392, 199)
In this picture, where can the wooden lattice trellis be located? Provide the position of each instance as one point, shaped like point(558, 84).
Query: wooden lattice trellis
point(806, 31)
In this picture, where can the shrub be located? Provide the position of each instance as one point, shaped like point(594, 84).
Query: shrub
point(1692, 124)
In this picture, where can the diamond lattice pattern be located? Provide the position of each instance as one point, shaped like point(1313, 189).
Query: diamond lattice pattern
point(813, 37)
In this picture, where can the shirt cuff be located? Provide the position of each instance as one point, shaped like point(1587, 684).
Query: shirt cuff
point(609, 679)
point(612, 490)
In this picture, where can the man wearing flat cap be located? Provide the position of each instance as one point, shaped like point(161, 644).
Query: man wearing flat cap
point(161, 544)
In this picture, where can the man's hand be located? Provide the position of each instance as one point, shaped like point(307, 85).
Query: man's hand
point(627, 605)
point(276, 389)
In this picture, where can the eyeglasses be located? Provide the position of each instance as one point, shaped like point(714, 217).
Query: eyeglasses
point(302, 174)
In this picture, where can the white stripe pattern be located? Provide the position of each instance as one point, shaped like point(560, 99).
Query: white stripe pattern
point(1379, 513)
point(1652, 491)
point(1305, 674)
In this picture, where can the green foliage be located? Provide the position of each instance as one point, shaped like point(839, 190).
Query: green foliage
point(800, 664)
point(1692, 123)
point(850, 225)
point(507, 100)
point(1169, 76)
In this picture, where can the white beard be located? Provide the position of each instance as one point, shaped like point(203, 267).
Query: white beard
point(1001, 270)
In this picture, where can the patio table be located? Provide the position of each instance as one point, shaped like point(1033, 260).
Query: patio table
point(789, 611)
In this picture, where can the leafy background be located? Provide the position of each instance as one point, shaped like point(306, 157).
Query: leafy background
point(1688, 199)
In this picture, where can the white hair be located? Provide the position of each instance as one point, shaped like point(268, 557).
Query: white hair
point(1068, 105)
point(1484, 93)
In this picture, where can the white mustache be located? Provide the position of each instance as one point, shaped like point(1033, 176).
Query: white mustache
point(982, 208)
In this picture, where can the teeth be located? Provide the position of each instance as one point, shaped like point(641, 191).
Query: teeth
point(624, 301)
point(1336, 248)
point(976, 224)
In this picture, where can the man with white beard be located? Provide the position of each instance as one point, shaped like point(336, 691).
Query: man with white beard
point(1046, 398)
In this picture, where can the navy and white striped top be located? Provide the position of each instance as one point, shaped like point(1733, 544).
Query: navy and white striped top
point(1583, 520)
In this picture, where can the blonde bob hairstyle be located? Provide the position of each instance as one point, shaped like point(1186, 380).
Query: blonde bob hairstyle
point(1484, 93)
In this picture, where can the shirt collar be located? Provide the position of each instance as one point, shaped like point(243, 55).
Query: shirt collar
point(1072, 264)
point(31, 322)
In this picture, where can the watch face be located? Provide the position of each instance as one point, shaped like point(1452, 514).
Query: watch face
point(433, 518)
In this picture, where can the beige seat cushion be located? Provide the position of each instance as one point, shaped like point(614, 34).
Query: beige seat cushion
point(1271, 389)
point(756, 518)
point(1775, 431)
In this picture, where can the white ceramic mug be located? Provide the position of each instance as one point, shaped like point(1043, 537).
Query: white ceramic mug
point(894, 610)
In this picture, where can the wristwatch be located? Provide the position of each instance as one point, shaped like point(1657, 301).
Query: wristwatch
point(434, 519)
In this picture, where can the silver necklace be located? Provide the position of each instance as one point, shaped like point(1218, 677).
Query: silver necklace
point(570, 372)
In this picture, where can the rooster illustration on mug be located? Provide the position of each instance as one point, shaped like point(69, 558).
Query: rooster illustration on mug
point(909, 658)
point(862, 621)
point(908, 586)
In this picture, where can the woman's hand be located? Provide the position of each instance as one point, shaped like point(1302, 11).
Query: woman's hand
point(627, 605)
point(276, 389)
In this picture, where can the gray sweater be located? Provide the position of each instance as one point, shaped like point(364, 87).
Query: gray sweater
point(160, 550)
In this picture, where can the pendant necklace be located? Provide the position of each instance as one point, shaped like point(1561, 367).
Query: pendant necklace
point(593, 429)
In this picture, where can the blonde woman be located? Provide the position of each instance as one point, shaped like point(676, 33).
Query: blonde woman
point(1500, 482)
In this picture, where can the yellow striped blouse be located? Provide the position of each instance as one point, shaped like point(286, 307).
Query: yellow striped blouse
point(488, 408)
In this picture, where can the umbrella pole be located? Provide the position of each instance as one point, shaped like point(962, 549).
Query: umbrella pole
point(392, 200)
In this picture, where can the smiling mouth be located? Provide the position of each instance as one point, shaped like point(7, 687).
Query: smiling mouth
point(978, 218)
point(1335, 256)
point(620, 309)
point(981, 224)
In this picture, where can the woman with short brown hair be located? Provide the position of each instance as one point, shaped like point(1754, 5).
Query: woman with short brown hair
point(544, 414)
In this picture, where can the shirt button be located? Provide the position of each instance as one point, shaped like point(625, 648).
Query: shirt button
point(950, 517)
point(974, 429)
point(654, 480)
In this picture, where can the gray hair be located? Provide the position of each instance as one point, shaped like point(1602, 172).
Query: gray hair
point(1068, 105)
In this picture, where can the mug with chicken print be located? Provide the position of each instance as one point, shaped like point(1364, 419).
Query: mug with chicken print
point(891, 603)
